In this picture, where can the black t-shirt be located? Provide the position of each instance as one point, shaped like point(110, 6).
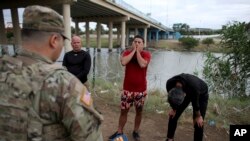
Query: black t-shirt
point(78, 63)
point(193, 86)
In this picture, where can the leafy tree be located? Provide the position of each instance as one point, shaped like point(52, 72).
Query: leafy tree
point(102, 29)
point(177, 27)
point(228, 74)
point(9, 35)
point(92, 31)
point(185, 27)
point(73, 30)
point(218, 75)
point(235, 37)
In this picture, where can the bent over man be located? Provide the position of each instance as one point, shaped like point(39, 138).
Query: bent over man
point(183, 89)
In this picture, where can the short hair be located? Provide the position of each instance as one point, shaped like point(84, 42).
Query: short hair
point(138, 36)
point(176, 97)
point(34, 35)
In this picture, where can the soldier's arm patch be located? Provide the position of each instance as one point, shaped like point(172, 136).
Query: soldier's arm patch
point(86, 98)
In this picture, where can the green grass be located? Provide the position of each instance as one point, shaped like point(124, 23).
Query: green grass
point(107, 91)
point(104, 42)
point(156, 102)
point(229, 111)
point(177, 46)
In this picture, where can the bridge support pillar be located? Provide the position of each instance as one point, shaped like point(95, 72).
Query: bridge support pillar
point(77, 27)
point(145, 37)
point(110, 36)
point(119, 36)
point(127, 37)
point(123, 25)
point(3, 39)
point(87, 34)
point(136, 31)
point(98, 36)
point(149, 36)
point(16, 27)
point(156, 35)
point(67, 31)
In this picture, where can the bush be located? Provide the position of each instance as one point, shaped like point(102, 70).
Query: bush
point(9, 35)
point(188, 42)
point(208, 41)
point(228, 74)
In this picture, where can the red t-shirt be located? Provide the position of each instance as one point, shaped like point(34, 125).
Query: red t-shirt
point(135, 76)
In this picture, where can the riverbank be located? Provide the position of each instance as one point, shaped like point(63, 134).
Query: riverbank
point(177, 46)
point(155, 118)
point(168, 44)
point(221, 113)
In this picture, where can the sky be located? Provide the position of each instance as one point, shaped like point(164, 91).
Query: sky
point(196, 13)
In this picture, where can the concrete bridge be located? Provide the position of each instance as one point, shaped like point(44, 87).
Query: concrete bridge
point(114, 13)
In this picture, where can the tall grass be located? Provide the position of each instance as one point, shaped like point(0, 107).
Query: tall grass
point(223, 112)
point(227, 112)
point(156, 102)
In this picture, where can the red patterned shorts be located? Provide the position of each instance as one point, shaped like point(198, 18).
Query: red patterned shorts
point(129, 98)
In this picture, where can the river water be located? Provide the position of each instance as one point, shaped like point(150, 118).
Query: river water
point(164, 64)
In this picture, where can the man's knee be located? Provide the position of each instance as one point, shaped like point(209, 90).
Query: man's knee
point(124, 112)
point(139, 109)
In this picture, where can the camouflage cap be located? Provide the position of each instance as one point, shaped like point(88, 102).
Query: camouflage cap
point(176, 97)
point(43, 19)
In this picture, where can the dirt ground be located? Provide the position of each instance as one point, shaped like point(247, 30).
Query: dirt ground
point(153, 126)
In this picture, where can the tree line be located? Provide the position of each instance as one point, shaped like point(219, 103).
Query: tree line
point(185, 29)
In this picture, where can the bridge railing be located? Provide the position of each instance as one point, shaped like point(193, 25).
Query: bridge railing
point(130, 8)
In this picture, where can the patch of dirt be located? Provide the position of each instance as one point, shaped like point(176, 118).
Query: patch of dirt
point(153, 126)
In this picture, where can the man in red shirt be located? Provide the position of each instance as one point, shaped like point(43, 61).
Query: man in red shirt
point(136, 62)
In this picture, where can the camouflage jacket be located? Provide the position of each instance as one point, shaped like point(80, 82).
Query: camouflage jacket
point(58, 106)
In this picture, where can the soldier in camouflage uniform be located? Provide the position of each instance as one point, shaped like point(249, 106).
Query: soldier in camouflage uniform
point(39, 100)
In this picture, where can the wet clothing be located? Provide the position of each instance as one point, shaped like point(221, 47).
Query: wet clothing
point(135, 76)
point(78, 63)
point(197, 93)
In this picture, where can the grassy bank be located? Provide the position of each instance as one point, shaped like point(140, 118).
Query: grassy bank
point(177, 46)
point(161, 44)
point(104, 42)
point(220, 112)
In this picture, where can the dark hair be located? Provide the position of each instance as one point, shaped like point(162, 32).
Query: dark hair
point(139, 36)
point(176, 97)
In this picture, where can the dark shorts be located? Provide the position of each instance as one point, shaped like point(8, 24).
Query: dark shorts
point(129, 98)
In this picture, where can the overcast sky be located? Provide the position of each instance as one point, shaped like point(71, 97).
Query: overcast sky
point(196, 13)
